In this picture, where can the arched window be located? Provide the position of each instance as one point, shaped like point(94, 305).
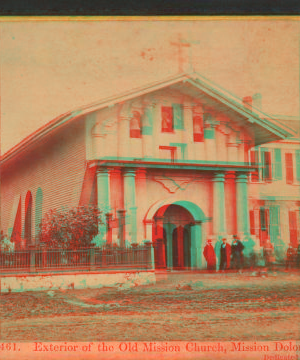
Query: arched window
point(38, 211)
point(28, 218)
point(17, 225)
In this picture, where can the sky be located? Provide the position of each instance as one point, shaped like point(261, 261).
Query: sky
point(50, 66)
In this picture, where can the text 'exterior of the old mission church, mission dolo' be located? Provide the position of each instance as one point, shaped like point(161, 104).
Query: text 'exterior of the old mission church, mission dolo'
point(175, 162)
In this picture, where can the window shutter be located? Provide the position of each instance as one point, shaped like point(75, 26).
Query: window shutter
point(274, 223)
point(278, 164)
point(147, 121)
point(289, 168)
point(293, 228)
point(267, 165)
point(178, 116)
point(298, 165)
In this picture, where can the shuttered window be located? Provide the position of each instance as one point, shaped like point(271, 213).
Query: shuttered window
point(277, 164)
point(289, 168)
point(252, 222)
point(267, 166)
point(264, 225)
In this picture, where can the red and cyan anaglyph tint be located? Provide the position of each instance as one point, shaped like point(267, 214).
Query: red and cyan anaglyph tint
point(167, 212)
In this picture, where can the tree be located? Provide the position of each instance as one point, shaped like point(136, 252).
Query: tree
point(5, 244)
point(71, 229)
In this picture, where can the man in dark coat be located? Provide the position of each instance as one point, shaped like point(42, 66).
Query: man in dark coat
point(291, 255)
point(237, 253)
point(225, 252)
point(210, 256)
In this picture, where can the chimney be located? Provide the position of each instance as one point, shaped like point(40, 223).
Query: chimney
point(256, 101)
point(247, 102)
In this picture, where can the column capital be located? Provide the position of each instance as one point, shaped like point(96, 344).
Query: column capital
point(130, 172)
point(242, 178)
point(102, 170)
point(219, 177)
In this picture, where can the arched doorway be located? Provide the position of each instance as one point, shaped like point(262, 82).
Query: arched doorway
point(172, 237)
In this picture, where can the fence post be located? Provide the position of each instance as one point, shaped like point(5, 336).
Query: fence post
point(32, 258)
point(92, 258)
point(150, 254)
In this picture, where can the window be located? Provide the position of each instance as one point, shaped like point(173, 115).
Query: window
point(135, 125)
point(264, 220)
point(262, 158)
point(289, 168)
point(293, 228)
point(198, 127)
point(167, 124)
point(266, 165)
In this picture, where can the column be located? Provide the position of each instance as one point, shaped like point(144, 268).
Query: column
point(103, 200)
point(180, 247)
point(169, 232)
point(141, 201)
point(129, 203)
point(196, 245)
point(242, 204)
point(219, 219)
point(108, 228)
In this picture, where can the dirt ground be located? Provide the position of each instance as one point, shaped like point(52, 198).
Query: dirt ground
point(180, 306)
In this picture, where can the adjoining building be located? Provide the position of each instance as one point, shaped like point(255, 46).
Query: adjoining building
point(185, 159)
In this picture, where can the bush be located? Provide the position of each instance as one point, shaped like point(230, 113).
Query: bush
point(74, 228)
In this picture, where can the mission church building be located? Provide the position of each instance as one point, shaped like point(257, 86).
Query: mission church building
point(175, 162)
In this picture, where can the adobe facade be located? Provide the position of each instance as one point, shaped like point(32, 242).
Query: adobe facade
point(180, 160)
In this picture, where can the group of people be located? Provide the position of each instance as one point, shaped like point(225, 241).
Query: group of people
point(231, 256)
point(292, 257)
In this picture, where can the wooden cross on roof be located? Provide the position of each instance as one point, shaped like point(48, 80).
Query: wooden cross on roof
point(181, 44)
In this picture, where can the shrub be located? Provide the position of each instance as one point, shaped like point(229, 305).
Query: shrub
point(74, 228)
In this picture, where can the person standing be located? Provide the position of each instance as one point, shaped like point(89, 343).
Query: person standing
point(269, 254)
point(298, 256)
point(210, 256)
point(290, 257)
point(237, 253)
point(225, 252)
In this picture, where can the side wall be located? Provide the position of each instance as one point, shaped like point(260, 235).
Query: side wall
point(56, 165)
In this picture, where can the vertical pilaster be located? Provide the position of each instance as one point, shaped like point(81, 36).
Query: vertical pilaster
point(169, 232)
point(219, 216)
point(103, 200)
point(130, 202)
point(242, 204)
point(196, 246)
